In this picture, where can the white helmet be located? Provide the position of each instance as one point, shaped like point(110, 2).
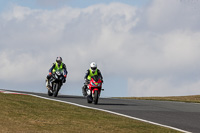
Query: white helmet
point(93, 66)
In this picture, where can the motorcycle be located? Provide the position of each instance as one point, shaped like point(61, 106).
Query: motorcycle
point(56, 81)
point(94, 89)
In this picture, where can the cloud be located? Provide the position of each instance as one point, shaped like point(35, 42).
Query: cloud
point(142, 45)
point(166, 62)
point(182, 14)
point(68, 32)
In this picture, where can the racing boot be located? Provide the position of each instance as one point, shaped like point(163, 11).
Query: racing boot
point(48, 84)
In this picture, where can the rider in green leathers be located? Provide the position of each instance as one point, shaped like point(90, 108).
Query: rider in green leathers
point(90, 72)
point(58, 65)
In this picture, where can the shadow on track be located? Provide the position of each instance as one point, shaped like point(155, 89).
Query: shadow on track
point(112, 104)
point(115, 104)
point(68, 96)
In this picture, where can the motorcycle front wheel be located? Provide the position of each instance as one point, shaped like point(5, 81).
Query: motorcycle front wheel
point(56, 89)
point(96, 97)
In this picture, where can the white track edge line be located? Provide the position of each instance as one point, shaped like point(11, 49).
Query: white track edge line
point(111, 112)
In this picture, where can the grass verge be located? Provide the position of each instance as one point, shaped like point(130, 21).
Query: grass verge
point(23, 113)
point(189, 99)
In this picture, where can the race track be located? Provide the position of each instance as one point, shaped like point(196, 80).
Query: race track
point(184, 116)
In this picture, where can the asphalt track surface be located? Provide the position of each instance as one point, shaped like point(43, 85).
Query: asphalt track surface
point(184, 116)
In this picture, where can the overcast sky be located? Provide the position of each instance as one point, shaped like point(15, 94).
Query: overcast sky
point(148, 48)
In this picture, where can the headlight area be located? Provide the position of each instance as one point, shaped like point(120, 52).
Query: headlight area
point(93, 84)
point(97, 84)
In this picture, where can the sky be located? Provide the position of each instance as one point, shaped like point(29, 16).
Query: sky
point(143, 48)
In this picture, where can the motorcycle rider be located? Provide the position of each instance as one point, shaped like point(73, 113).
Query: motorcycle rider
point(90, 72)
point(58, 65)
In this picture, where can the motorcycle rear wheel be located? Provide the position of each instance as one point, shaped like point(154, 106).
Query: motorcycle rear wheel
point(89, 99)
point(50, 93)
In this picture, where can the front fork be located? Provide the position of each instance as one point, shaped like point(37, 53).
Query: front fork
point(99, 91)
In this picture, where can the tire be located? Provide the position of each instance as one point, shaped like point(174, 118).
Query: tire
point(49, 93)
point(89, 99)
point(56, 89)
point(96, 97)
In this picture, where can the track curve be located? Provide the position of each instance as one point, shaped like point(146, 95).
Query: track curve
point(184, 116)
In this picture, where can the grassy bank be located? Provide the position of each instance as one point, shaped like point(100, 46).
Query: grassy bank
point(22, 113)
point(189, 99)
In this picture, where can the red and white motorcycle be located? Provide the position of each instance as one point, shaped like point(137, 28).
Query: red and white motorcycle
point(94, 89)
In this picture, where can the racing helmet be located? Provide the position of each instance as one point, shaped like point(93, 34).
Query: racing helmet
point(59, 60)
point(93, 66)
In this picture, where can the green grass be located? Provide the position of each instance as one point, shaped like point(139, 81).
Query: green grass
point(189, 99)
point(27, 114)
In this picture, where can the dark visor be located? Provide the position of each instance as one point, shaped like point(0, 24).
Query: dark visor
point(93, 68)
